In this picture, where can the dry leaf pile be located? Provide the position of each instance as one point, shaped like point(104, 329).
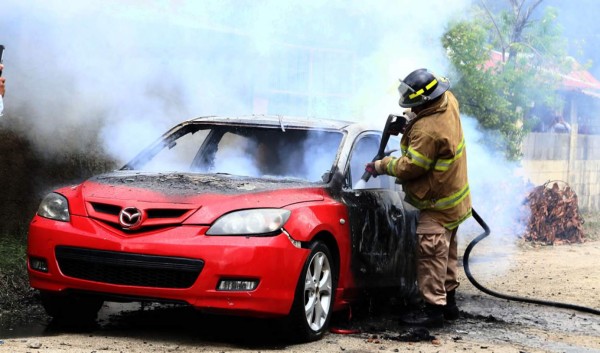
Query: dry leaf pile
point(555, 217)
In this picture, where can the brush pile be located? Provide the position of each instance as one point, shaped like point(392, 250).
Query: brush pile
point(555, 217)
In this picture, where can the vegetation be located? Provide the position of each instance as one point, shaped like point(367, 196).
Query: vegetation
point(12, 252)
point(27, 175)
point(14, 285)
point(528, 52)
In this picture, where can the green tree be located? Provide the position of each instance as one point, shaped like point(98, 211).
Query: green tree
point(528, 53)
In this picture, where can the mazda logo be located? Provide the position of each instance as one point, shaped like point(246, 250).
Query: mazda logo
point(130, 218)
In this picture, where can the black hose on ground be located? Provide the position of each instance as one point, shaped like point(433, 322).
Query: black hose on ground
point(505, 296)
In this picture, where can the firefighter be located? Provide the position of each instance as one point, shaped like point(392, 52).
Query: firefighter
point(433, 173)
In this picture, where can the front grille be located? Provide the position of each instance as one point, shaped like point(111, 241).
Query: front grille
point(106, 208)
point(153, 219)
point(128, 269)
point(154, 213)
point(165, 213)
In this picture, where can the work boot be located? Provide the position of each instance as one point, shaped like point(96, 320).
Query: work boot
point(451, 309)
point(430, 316)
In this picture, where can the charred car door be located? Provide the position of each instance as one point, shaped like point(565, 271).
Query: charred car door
point(382, 226)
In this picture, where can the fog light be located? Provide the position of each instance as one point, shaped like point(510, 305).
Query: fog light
point(237, 285)
point(38, 264)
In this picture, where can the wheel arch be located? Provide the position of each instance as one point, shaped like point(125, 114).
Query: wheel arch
point(329, 240)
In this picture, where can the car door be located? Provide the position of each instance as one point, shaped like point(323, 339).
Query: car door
point(382, 226)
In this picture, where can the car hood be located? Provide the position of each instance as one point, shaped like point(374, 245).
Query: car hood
point(184, 198)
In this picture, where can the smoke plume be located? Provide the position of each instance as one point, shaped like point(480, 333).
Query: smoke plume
point(119, 73)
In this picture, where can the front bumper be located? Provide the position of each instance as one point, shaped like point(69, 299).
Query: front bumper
point(273, 261)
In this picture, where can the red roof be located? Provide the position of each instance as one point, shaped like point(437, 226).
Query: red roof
point(580, 79)
point(576, 80)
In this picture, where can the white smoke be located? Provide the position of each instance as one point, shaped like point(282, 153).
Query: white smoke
point(498, 190)
point(136, 68)
point(499, 187)
point(119, 73)
point(122, 72)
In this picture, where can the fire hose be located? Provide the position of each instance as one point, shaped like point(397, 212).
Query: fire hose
point(394, 125)
point(477, 285)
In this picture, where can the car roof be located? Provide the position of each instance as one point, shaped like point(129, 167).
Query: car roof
point(276, 121)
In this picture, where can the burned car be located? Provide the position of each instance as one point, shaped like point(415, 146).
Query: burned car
point(253, 215)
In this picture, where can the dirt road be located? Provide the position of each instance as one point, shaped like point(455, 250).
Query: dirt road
point(566, 273)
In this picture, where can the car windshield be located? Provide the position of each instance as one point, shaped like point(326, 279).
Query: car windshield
point(244, 151)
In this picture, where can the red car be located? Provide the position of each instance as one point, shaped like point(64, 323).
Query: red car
point(250, 215)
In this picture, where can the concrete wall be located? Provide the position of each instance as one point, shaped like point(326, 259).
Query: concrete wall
point(548, 157)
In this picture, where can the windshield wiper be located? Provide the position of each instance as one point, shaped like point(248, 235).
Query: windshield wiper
point(281, 123)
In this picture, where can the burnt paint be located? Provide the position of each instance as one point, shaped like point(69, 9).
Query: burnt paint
point(383, 231)
point(383, 238)
point(193, 184)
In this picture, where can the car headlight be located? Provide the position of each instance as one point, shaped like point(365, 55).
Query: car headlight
point(54, 206)
point(260, 221)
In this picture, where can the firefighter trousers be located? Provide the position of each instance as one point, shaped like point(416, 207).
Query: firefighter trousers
point(437, 267)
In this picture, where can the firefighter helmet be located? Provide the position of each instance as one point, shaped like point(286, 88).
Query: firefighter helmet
point(421, 86)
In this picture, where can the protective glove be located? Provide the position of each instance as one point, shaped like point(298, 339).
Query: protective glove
point(371, 169)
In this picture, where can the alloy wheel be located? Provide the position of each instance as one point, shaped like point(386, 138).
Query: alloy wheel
point(318, 291)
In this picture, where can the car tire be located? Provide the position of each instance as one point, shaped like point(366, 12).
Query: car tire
point(71, 309)
point(313, 301)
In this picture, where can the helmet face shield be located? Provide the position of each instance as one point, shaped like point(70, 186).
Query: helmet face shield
point(405, 89)
point(409, 97)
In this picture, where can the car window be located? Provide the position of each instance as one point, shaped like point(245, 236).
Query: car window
point(245, 151)
point(363, 151)
point(239, 155)
point(301, 154)
point(179, 154)
point(393, 147)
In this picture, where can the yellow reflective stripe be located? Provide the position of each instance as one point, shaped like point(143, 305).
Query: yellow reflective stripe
point(416, 94)
point(431, 84)
point(421, 91)
point(395, 164)
point(422, 205)
point(419, 159)
point(441, 204)
point(403, 149)
point(457, 223)
point(452, 200)
point(444, 164)
point(391, 166)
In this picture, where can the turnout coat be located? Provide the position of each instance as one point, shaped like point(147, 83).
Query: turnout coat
point(433, 165)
